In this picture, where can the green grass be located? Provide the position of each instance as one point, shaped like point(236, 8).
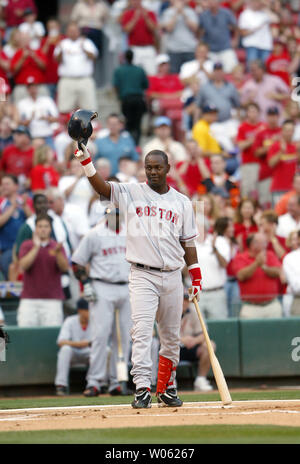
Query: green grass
point(22, 403)
point(213, 434)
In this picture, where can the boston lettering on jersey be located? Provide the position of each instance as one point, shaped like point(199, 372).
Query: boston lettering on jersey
point(163, 213)
point(113, 250)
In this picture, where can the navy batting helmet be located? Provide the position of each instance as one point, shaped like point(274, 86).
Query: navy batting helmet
point(80, 127)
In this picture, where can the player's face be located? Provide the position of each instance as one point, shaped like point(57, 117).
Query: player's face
point(156, 170)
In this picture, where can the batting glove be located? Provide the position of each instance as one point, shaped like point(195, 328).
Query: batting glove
point(196, 278)
point(88, 292)
point(85, 160)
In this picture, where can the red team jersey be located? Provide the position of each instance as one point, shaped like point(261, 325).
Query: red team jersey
point(265, 138)
point(278, 65)
point(284, 171)
point(246, 130)
point(29, 68)
point(140, 34)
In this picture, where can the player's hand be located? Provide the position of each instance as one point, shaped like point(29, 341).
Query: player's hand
point(83, 154)
point(196, 277)
point(88, 292)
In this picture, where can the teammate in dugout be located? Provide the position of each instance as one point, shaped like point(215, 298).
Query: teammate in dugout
point(160, 228)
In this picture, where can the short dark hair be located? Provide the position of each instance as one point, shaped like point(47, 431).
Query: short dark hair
point(43, 217)
point(12, 177)
point(129, 56)
point(158, 153)
point(288, 121)
point(270, 216)
point(221, 225)
point(37, 197)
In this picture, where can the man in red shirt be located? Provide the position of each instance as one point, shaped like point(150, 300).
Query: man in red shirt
point(245, 139)
point(263, 140)
point(258, 271)
point(26, 63)
point(279, 61)
point(141, 25)
point(48, 45)
point(283, 158)
point(17, 158)
point(43, 261)
point(14, 11)
point(268, 223)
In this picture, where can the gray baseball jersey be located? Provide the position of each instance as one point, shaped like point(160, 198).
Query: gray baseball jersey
point(73, 331)
point(105, 251)
point(155, 224)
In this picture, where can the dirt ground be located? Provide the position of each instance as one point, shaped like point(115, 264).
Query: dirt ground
point(272, 412)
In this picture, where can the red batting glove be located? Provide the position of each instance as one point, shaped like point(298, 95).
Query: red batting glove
point(196, 277)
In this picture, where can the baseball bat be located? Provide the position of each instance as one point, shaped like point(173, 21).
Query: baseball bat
point(122, 368)
point(217, 370)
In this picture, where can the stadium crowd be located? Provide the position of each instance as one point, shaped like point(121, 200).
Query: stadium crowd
point(213, 83)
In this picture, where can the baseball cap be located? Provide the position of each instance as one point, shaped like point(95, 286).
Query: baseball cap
point(162, 58)
point(28, 11)
point(272, 110)
point(22, 130)
point(162, 121)
point(31, 80)
point(209, 109)
point(82, 304)
point(218, 65)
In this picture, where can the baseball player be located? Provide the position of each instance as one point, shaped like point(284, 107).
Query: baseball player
point(160, 228)
point(74, 341)
point(106, 286)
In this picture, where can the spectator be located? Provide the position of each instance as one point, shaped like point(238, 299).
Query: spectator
point(17, 158)
point(163, 141)
point(5, 87)
point(245, 224)
point(281, 205)
point(13, 43)
point(283, 159)
point(127, 170)
point(264, 89)
point(224, 227)
point(116, 144)
point(38, 113)
point(219, 179)
point(42, 260)
point(278, 62)
point(91, 16)
point(210, 212)
point(76, 56)
point(291, 270)
point(247, 132)
point(74, 341)
point(140, 25)
point(14, 209)
point(43, 175)
point(164, 86)
point(6, 135)
point(14, 11)
point(258, 271)
point(267, 225)
point(26, 63)
point(263, 140)
point(191, 171)
point(202, 134)
point(75, 187)
point(34, 28)
point(216, 26)
point(180, 24)
point(220, 93)
point(254, 27)
point(130, 82)
point(193, 346)
point(48, 45)
point(213, 256)
point(291, 111)
point(291, 220)
point(198, 70)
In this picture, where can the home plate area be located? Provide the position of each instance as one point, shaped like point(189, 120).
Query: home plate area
point(272, 412)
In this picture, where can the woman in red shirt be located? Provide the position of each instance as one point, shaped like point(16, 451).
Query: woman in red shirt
point(43, 175)
point(245, 223)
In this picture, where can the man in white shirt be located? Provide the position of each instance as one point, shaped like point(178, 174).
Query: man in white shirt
point(164, 141)
point(254, 25)
point(213, 256)
point(39, 113)
point(291, 269)
point(76, 56)
point(291, 220)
